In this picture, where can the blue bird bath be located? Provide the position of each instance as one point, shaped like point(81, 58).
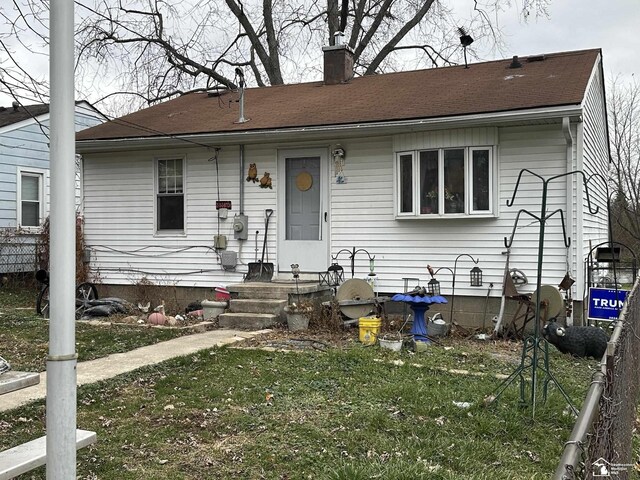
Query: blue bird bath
point(419, 303)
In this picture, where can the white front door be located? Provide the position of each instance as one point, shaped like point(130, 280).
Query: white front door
point(303, 233)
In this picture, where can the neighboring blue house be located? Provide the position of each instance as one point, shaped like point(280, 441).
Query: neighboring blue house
point(24, 178)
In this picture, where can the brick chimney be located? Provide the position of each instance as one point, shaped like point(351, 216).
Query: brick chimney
point(338, 64)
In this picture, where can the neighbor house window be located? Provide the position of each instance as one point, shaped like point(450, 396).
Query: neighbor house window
point(30, 203)
point(445, 182)
point(170, 195)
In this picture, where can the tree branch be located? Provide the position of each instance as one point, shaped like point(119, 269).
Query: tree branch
point(388, 48)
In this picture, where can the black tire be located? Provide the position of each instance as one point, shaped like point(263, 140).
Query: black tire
point(42, 303)
point(85, 292)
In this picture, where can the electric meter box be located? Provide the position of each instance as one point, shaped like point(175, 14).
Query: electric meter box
point(240, 227)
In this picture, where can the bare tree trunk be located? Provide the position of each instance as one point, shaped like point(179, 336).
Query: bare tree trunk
point(272, 70)
point(273, 67)
point(391, 45)
point(332, 20)
point(344, 14)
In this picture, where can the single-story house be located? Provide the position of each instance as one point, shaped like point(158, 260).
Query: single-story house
point(24, 178)
point(415, 167)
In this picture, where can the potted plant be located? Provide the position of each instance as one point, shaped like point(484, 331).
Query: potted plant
point(298, 312)
point(391, 341)
point(298, 315)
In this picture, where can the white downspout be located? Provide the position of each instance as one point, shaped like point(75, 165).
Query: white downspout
point(581, 279)
point(241, 210)
point(570, 193)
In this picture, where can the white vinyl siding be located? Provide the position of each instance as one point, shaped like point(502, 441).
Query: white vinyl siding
point(595, 160)
point(119, 212)
point(363, 211)
point(541, 149)
point(119, 199)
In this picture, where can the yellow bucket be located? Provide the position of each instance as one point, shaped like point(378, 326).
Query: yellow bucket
point(369, 329)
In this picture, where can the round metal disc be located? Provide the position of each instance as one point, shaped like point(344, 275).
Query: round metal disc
point(355, 289)
point(553, 298)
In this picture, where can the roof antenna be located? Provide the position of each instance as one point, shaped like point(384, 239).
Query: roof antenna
point(465, 40)
point(241, 82)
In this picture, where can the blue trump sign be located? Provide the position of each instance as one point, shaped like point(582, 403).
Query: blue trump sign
point(606, 303)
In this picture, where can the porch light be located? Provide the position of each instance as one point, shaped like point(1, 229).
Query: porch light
point(433, 287)
point(476, 277)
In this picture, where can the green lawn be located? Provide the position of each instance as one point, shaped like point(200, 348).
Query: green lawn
point(24, 335)
point(349, 413)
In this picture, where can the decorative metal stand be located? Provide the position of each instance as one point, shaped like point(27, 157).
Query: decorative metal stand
point(352, 257)
point(476, 279)
point(535, 349)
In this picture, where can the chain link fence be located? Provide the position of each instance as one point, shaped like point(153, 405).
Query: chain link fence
point(18, 257)
point(600, 445)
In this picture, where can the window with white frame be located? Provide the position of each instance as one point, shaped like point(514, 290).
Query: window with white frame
point(30, 199)
point(445, 182)
point(170, 195)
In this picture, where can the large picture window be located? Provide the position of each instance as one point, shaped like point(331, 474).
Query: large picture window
point(170, 195)
point(30, 202)
point(445, 182)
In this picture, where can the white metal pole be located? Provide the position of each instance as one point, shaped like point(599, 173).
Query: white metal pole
point(61, 362)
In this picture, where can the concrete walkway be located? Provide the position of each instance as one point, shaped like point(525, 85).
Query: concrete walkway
point(118, 363)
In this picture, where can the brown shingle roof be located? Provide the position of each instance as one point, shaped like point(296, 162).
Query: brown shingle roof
point(9, 116)
point(559, 79)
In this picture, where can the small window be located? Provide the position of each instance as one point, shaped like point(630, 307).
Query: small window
point(429, 191)
point(30, 203)
point(480, 180)
point(454, 181)
point(170, 195)
point(445, 182)
point(406, 183)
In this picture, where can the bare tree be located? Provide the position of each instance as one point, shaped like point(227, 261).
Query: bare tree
point(21, 31)
point(154, 49)
point(624, 128)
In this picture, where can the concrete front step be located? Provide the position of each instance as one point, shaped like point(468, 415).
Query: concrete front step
point(248, 321)
point(238, 305)
point(13, 380)
point(277, 290)
point(33, 454)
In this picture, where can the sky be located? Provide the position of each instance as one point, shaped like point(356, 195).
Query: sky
point(611, 25)
point(571, 25)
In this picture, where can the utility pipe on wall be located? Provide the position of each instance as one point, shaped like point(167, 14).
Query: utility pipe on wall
point(62, 358)
point(241, 179)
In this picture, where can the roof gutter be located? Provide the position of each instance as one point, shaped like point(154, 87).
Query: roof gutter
point(336, 131)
